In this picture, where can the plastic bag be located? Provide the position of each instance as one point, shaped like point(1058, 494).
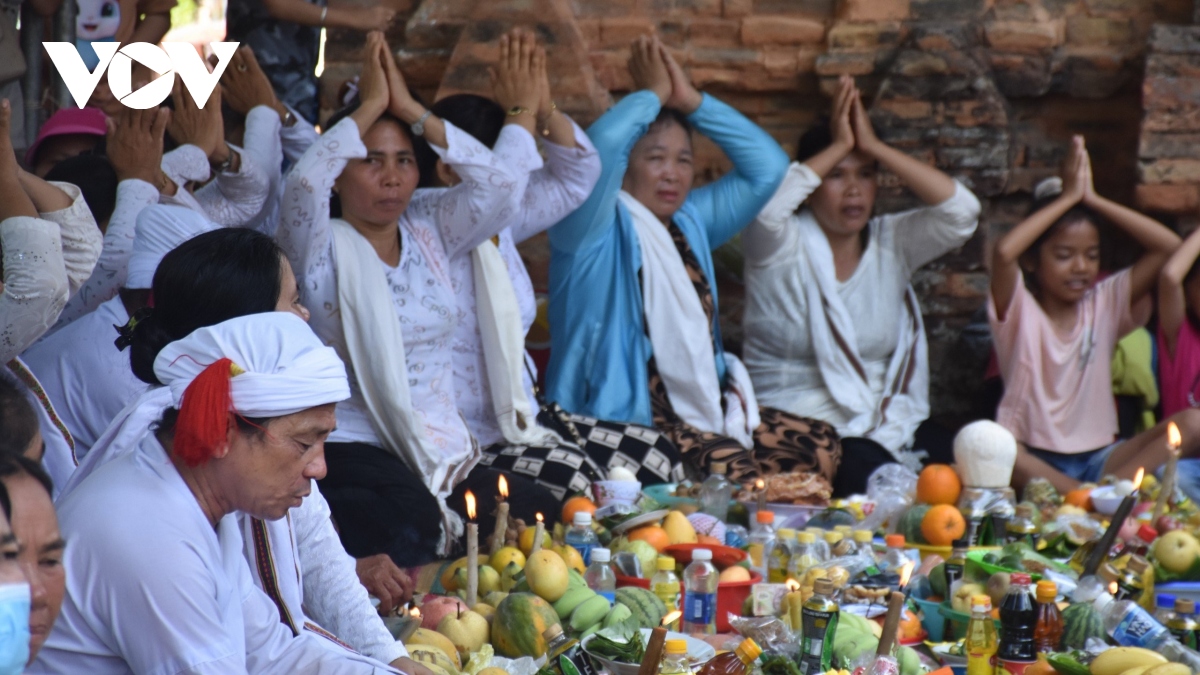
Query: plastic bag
point(525, 665)
point(769, 632)
point(892, 488)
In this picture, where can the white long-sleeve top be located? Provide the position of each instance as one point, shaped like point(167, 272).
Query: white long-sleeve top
point(554, 190)
point(273, 144)
point(46, 260)
point(439, 224)
point(152, 588)
point(232, 199)
point(778, 349)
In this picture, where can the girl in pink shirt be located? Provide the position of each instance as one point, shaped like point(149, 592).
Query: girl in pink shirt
point(1179, 328)
point(1055, 330)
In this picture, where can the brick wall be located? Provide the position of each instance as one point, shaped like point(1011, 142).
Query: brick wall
point(989, 90)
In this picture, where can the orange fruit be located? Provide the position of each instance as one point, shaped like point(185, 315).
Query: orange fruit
point(938, 484)
point(910, 626)
point(942, 525)
point(1081, 498)
point(708, 539)
point(578, 504)
point(651, 534)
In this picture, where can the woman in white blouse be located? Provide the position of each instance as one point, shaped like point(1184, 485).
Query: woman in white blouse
point(833, 327)
point(377, 280)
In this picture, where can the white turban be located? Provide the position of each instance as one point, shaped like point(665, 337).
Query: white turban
point(160, 228)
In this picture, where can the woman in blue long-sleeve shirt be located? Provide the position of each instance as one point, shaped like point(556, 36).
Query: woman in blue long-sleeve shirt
point(633, 307)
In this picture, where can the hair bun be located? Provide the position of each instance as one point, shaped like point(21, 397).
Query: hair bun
point(1048, 187)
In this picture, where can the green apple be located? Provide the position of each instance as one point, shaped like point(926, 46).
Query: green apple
point(466, 629)
point(1176, 551)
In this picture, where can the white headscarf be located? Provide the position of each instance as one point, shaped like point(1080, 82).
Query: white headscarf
point(286, 369)
point(160, 228)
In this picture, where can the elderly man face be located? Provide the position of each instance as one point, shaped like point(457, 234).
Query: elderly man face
point(268, 470)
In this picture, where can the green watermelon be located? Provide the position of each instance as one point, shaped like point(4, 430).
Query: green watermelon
point(519, 623)
point(910, 524)
point(645, 606)
point(1080, 622)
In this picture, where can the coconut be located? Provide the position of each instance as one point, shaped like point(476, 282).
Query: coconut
point(984, 453)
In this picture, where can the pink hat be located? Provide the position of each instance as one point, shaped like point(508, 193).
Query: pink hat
point(71, 120)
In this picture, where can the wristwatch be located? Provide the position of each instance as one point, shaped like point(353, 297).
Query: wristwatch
point(223, 166)
point(418, 127)
point(288, 119)
point(517, 110)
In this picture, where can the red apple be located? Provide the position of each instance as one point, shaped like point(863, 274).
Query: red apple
point(439, 607)
point(1128, 529)
point(1166, 523)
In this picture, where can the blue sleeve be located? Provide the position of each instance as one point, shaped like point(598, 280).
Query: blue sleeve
point(614, 136)
point(759, 164)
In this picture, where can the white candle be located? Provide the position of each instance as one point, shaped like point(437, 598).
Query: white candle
point(501, 517)
point(538, 534)
point(472, 553)
point(1174, 440)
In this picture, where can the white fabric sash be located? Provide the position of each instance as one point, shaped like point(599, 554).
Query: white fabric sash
point(889, 418)
point(503, 338)
point(374, 346)
point(682, 337)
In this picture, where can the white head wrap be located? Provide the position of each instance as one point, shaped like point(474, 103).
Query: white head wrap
point(160, 228)
point(286, 369)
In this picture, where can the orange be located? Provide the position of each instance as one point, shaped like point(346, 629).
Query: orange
point(910, 626)
point(578, 504)
point(651, 534)
point(1081, 498)
point(942, 525)
point(938, 484)
point(708, 539)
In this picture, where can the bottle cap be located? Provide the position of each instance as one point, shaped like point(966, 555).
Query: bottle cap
point(863, 536)
point(823, 586)
point(894, 540)
point(1147, 534)
point(665, 564)
point(846, 530)
point(601, 555)
point(1047, 591)
point(786, 533)
point(1137, 564)
point(981, 603)
point(832, 538)
point(764, 517)
point(805, 538)
point(1020, 578)
point(718, 468)
point(702, 554)
point(582, 518)
point(1185, 606)
point(1165, 601)
point(960, 543)
point(749, 650)
point(1109, 573)
point(817, 531)
point(552, 632)
point(676, 647)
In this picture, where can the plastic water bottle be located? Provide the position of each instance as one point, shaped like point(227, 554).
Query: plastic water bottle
point(803, 556)
point(666, 586)
point(715, 492)
point(1131, 626)
point(780, 555)
point(700, 594)
point(581, 538)
point(823, 552)
point(1164, 608)
point(762, 541)
point(895, 557)
point(599, 575)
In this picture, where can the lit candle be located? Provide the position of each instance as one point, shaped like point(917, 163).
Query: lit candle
point(906, 571)
point(671, 620)
point(885, 663)
point(1103, 546)
point(538, 534)
point(761, 486)
point(794, 601)
point(1174, 440)
point(472, 553)
point(501, 516)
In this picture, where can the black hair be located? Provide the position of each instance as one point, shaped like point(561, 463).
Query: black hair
point(1076, 214)
point(248, 426)
point(95, 177)
point(669, 116)
point(814, 141)
point(479, 116)
point(207, 279)
point(16, 465)
point(18, 420)
point(335, 203)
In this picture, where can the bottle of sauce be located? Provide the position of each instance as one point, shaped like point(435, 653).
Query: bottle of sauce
point(780, 556)
point(1018, 620)
point(665, 584)
point(1048, 633)
point(1131, 584)
point(1022, 527)
point(1184, 625)
point(737, 662)
point(564, 655)
point(980, 642)
point(819, 618)
point(675, 659)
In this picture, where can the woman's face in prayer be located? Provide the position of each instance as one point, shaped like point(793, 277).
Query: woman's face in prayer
point(661, 170)
point(270, 472)
point(376, 190)
point(845, 199)
point(289, 292)
point(41, 554)
point(1068, 262)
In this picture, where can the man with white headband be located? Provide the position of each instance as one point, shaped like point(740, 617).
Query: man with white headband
point(156, 578)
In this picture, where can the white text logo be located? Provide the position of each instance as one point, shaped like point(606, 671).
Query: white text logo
point(168, 60)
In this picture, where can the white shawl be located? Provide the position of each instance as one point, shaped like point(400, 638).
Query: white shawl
point(892, 417)
point(503, 338)
point(374, 346)
point(682, 338)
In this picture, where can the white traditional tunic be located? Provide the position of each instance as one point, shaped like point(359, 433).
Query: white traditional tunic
point(273, 145)
point(552, 192)
point(153, 589)
point(232, 199)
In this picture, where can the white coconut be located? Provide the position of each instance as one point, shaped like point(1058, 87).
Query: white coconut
point(984, 453)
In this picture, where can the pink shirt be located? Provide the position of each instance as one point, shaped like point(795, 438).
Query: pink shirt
point(1058, 388)
point(1179, 376)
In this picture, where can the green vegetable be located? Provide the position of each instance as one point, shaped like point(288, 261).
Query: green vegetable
point(1068, 663)
point(620, 643)
point(779, 665)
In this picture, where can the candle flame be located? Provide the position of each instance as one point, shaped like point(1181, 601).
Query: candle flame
point(792, 585)
point(416, 612)
point(906, 572)
point(1137, 478)
point(1112, 588)
point(539, 517)
point(1174, 440)
point(760, 484)
point(503, 486)
point(470, 496)
point(671, 617)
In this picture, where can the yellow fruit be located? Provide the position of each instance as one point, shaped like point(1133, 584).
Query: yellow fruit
point(679, 529)
point(734, 574)
point(433, 658)
point(485, 610)
point(1120, 659)
point(489, 580)
point(493, 670)
point(547, 575)
point(1140, 670)
point(448, 582)
point(501, 558)
point(526, 540)
point(1169, 669)
point(571, 557)
point(424, 636)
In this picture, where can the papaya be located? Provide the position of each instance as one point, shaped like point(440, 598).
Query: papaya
point(519, 623)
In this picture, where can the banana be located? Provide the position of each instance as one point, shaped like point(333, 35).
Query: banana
point(573, 598)
point(1169, 669)
point(1120, 659)
point(575, 579)
point(1140, 670)
point(617, 614)
point(509, 576)
point(591, 611)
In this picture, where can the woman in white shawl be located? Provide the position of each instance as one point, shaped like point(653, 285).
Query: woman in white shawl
point(833, 327)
